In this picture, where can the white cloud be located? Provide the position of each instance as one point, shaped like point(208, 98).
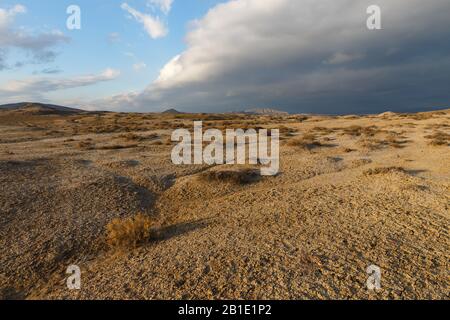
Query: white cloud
point(38, 86)
point(7, 15)
point(38, 45)
point(163, 5)
point(152, 25)
point(298, 54)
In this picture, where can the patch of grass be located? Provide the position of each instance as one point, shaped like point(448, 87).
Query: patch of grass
point(130, 232)
point(241, 177)
point(308, 142)
point(323, 130)
point(372, 144)
point(384, 170)
point(131, 137)
point(86, 145)
point(438, 139)
point(357, 131)
point(135, 137)
point(117, 147)
point(393, 141)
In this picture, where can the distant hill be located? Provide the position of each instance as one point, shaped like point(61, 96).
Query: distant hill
point(39, 108)
point(172, 111)
point(265, 111)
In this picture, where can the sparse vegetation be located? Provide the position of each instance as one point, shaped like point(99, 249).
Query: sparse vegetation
point(86, 145)
point(357, 131)
point(439, 138)
point(307, 141)
point(242, 177)
point(394, 141)
point(130, 232)
point(384, 170)
point(117, 147)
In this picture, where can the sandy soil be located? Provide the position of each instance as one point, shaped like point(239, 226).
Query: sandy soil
point(373, 190)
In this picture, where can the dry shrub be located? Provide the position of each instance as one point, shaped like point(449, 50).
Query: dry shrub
point(130, 232)
point(420, 116)
point(361, 162)
point(300, 118)
point(384, 170)
point(357, 131)
point(284, 130)
point(87, 145)
point(392, 141)
point(323, 130)
point(372, 144)
point(242, 177)
point(135, 137)
point(117, 147)
point(439, 138)
point(307, 141)
point(131, 137)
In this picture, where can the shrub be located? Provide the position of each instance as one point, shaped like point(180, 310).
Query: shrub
point(439, 138)
point(117, 147)
point(307, 142)
point(242, 177)
point(384, 170)
point(392, 141)
point(129, 232)
point(372, 144)
point(131, 137)
point(357, 131)
point(87, 145)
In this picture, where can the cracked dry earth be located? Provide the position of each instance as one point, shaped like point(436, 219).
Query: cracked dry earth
point(308, 233)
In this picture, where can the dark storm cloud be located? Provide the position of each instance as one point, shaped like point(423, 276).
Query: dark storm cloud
point(308, 56)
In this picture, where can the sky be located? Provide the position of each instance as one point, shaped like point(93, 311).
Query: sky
point(301, 56)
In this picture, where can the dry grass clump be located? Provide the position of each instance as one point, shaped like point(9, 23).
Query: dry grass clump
point(323, 130)
point(135, 137)
point(361, 162)
point(308, 142)
point(393, 141)
point(284, 130)
point(357, 131)
point(131, 137)
point(439, 138)
point(242, 177)
point(372, 144)
point(130, 232)
point(117, 147)
point(420, 116)
point(86, 145)
point(384, 170)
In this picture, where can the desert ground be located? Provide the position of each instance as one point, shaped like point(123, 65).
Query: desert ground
point(99, 190)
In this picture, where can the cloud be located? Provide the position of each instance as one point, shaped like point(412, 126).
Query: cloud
point(163, 5)
point(7, 15)
point(48, 71)
point(307, 56)
point(39, 46)
point(152, 25)
point(37, 86)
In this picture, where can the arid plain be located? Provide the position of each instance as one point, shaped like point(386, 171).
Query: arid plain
point(99, 190)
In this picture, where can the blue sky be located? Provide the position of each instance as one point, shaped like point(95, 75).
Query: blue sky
point(302, 56)
point(108, 38)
